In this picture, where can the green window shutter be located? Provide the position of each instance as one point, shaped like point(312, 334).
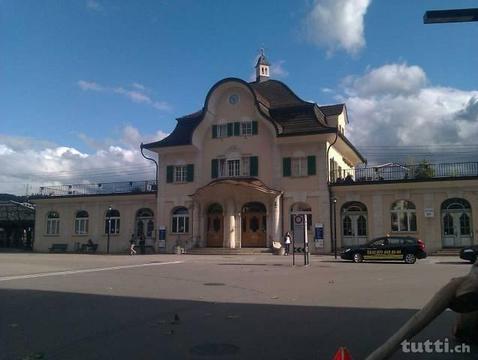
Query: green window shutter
point(286, 166)
point(311, 165)
point(254, 128)
point(230, 129)
point(237, 129)
point(254, 166)
point(169, 173)
point(190, 172)
point(214, 131)
point(214, 168)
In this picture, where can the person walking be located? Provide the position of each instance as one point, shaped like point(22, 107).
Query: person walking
point(132, 243)
point(287, 241)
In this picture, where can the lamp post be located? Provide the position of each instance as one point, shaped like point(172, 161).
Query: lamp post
point(334, 202)
point(108, 216)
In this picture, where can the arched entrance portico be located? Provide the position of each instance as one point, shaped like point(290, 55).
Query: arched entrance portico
point(254, 225)
point(248, 214)
point(215, 226)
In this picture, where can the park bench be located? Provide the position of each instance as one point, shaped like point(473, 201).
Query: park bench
point(58, 247)
point(88, 248)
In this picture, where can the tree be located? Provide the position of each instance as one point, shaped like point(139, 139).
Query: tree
point(424, 170)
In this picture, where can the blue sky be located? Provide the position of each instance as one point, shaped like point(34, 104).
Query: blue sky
point(83, 81)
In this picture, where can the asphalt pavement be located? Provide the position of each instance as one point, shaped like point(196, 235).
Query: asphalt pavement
point(65, 306)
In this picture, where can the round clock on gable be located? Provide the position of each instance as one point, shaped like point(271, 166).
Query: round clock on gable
point(233, 99)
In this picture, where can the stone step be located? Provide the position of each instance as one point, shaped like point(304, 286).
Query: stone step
point(226, 251)
point(447, 252)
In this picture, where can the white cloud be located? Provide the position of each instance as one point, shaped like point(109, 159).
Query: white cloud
point(37, 163)
point(394, 105)
point(89, 85)
point(93, 5)
point(337, 24)
point(391, 79)
point(278, 69)
point(138, 94)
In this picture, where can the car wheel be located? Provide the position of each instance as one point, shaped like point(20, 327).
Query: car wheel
point(473, 260)
point(410, 259)
point(358, 258)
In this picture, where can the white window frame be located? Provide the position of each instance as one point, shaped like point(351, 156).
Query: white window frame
point(407, 213)
point(233, 167)
point(180, 173)
point(299, 167)
point(177, 220)
point(222, 130)
point(81, 225)
point(53, 224)
point(246, 128)
point(114, 223)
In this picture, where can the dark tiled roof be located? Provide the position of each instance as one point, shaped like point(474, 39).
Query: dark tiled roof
point(181, 134)
point(294, 119)
point(290, 114)
point(330, 110)
point(276, 93)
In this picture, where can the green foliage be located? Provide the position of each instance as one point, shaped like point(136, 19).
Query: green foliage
point(424, 170)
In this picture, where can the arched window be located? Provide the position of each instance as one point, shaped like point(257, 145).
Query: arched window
point(403, 216)
point(448, 228)
point(361, 226)
point(455, 204)
point(354, 219)
point(112, 221)
point(81, 222)
point(465, 228)
point(53, 223)
point(180, 220)
point(144, 223)
point(347, 224)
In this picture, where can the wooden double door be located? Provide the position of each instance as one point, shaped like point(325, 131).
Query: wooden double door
point(254, 225)
point(215, 226)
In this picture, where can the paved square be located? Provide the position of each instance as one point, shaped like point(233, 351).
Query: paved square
point(62, 306)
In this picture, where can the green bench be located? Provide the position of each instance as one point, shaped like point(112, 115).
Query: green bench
point(58, 247)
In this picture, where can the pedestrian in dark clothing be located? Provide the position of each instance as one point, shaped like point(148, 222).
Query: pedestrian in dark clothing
point(142, 243)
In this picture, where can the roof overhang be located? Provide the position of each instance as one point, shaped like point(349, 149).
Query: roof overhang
point(230, 184)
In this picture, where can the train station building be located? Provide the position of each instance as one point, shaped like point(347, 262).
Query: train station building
point(234, 174)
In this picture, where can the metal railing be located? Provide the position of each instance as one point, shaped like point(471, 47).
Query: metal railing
point(121, 187)
point(398, 172)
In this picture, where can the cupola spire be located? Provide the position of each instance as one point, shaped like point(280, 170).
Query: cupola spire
point(262, 68)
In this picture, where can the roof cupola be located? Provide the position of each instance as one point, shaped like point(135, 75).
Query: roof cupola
point(262, 68)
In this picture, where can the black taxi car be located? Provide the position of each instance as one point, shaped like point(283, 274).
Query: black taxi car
point(405, 248)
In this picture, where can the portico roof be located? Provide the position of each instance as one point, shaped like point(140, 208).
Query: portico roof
point(246, 182)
